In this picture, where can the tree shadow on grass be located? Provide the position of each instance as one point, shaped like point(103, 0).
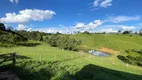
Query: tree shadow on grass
point(130, 60)
point(123, 58)
point(33, 70)
point(7, 45)
point(28, 44)
point(9, 56)
point(22, 57)
point(93, 72)
point(30, 70)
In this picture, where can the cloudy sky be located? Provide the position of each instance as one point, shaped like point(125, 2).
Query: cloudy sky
point(67, 16)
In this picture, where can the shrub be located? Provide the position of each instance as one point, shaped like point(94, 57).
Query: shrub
point(133, 57)
point(126, 32)
point(63, 41)
point(86, 32)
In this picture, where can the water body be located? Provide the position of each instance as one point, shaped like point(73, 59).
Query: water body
point(98, 53)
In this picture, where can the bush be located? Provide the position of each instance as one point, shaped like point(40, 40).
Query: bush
point(63, 41)
point(34, 35)
point(133, 57)
point(10, 38)
point(34, 70)
point(126, 32)
point(86, 32)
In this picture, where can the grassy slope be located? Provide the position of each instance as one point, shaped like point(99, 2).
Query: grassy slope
point(118, 42)
point(34, 52)
point(113, 41)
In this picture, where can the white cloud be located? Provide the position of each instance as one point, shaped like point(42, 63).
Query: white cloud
point(108, 30)
point(96, 3)
point(49, 30)
point(118, 19)
point(14, 1)
point(29, 29)
point(120, 27)
point(102, 3)
point(80, 25)
point(53, 30)
point(21, 27)
point(114, 28)
point(11, 1)
point(91, 25)
point(128, 27)
point(106, 3)
point(28, 15)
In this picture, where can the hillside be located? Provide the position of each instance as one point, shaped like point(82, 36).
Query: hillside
point(114, 41)
point(70, 64)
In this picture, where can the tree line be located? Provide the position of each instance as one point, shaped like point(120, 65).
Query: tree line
point(63, 41)
point(119, 32)
point(9, 36)
point(33, 35)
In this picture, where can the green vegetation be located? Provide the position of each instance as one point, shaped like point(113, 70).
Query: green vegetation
point(34, 35)
point(117, 42)
point(38, 60)
point(9, 38)
point(63, 41)
point(127, 32)
point(74, 64)
point(132, 57)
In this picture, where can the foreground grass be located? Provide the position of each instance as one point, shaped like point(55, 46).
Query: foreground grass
point(106, 66)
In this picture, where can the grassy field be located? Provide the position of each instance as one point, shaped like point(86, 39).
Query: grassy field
point(92, 67)
point(113, 41)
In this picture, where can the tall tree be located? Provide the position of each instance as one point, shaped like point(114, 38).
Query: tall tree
point(119, 31)
point(140, 32)
point(9, 28)
point(2, 27)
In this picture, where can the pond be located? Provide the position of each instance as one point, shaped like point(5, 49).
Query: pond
point(98, 53)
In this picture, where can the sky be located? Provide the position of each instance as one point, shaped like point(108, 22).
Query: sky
point(69, 16)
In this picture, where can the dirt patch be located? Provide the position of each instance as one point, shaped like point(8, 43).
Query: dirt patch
point(107, 50)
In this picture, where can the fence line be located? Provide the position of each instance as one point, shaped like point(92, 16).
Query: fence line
point(8, 57)
point(81, 55)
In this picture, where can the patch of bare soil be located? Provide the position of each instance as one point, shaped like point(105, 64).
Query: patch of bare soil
point(108, 50)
